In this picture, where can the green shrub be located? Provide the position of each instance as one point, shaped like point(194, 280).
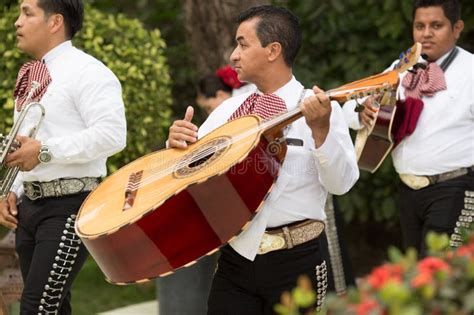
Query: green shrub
point(134, 54)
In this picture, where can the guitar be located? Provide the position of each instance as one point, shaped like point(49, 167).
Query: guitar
point(373, 144)
point(167, 209)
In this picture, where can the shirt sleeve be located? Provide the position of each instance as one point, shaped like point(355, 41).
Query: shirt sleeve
point(351, 116)
point(335, 158)
point(17, 186)
point(98, 100)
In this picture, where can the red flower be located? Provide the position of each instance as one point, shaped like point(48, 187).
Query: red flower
point(229, 76)
point(421, 279)
point(367, 307)
point(432, 264)
point(380, 275)
point(466, 251)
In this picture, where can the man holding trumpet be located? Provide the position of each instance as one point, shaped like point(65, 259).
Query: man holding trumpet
point(84, 124)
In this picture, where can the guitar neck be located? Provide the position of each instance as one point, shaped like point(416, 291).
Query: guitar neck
point(353, 90)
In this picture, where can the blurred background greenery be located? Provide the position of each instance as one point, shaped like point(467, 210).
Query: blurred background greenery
point(160, 48)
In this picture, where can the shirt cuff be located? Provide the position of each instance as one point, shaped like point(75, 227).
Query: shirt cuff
point(351, 116)
point(327, 150)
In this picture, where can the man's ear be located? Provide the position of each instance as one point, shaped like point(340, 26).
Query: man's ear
point(274, 51)
point(56, 22)
point(457, 28)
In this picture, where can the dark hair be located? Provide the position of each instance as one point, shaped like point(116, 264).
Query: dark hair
point(71, 10)
point(451, 8)
point(210, 84)
point(276, 24)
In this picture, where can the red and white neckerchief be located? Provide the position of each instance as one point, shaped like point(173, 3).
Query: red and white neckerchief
point(33, 71)
point(425, 82)
point(265, 106)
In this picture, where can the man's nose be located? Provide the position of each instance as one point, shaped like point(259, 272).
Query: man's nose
point(234, 56)
point(427, 32)
point(17, 23)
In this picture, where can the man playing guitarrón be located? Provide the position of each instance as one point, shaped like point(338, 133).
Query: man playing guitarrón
point(251, 273)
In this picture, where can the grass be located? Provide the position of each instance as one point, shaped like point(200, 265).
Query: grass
point(91, 294)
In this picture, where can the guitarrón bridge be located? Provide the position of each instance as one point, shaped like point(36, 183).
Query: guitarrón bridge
point(131, 189)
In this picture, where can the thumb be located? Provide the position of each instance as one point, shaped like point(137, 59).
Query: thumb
point(189, 113)
point(317, 90)
point(12, 203)
point(21, 138)
point(13, 210)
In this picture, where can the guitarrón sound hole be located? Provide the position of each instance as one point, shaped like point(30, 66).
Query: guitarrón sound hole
point(201, 160)
point(201, 157)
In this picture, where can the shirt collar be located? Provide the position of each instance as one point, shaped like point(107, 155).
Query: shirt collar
point(56, 51)
point(440, 60)
point(290, 92)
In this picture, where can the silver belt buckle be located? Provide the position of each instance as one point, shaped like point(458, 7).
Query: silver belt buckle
point(415, 182)
point(33, 191)
point(270, 243)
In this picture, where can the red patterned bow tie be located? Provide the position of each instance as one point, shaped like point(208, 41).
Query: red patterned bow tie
point(33, 71)
point(425, 82)
point(265, 106)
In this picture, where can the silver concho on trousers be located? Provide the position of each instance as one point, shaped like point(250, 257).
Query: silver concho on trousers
point(321, 284)
point(465, 219)
point(61, 268)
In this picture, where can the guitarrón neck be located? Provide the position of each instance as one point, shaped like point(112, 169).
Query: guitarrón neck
point(294, 114)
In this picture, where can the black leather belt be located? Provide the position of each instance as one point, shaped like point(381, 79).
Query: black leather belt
point(59, 187)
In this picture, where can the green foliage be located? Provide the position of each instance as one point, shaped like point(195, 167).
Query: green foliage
point(134, 54)
point(345, 40)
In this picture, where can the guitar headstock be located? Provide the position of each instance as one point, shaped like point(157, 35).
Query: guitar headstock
point(408, 58)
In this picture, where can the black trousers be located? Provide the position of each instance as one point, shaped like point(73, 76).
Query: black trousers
point(243, 287)
point(433, 208)
point(50, 253)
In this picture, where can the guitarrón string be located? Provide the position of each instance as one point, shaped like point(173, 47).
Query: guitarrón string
point(159, 173)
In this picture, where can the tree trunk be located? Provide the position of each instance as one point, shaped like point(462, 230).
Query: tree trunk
point(210, 30)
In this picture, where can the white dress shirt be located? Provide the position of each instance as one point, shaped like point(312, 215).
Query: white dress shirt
point(444, 136)
point(85, 117)
point(307, 174)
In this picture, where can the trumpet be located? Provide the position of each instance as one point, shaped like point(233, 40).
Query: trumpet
point(9, 144)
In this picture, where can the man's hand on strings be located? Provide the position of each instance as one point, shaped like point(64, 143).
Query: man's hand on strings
point(317, 111)
point(183, 131)
point(369, 114)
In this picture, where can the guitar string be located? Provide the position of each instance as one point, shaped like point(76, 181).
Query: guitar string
point(158, 172)
point(234, 141)
point(213, 149)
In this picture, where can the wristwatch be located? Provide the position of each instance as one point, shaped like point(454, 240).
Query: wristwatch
point(44, 155)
